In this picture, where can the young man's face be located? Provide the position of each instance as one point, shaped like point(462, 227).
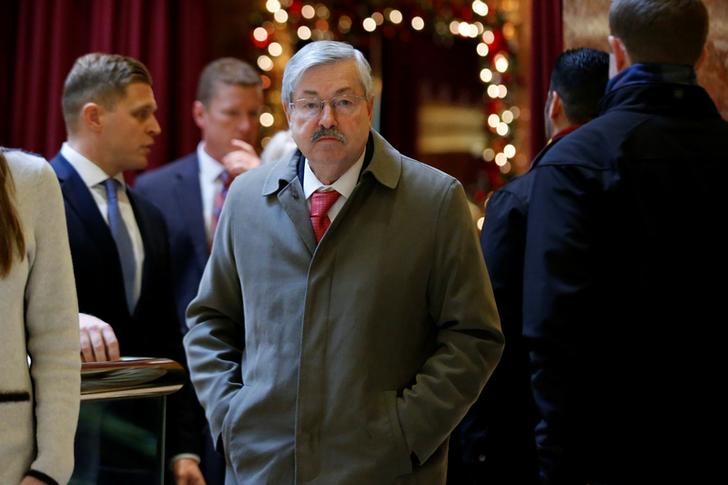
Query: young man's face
point(129, 129)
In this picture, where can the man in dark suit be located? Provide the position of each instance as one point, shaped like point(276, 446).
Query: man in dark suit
point(123, 284)
point(229, 102)
point(495, 443)
point(186, 191)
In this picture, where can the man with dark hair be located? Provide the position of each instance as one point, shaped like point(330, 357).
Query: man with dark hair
point(495, 442)
point(621, 311)
point(190, 191)
point(118, 241)
point(578, 79)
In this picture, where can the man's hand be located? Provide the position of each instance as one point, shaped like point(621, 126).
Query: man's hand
point(241, 160)
point(187, 472)
point(98, 340)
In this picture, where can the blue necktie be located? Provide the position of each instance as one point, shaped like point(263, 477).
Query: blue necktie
point(123, 241)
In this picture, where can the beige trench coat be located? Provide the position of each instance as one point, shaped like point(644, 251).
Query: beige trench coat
point(350, 362)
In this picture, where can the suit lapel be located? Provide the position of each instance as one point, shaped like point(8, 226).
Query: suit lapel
point(188, 195)
point(144, 232)
point(79, 199)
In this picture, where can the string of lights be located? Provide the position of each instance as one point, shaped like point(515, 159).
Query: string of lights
point(283, 23)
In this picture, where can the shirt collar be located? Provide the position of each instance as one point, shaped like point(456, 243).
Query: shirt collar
point(210, 169)
point(91, 174)
point(343, 185)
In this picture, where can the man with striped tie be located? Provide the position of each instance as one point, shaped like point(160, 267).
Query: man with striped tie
point(190, 192)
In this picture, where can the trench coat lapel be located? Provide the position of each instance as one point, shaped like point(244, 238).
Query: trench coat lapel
point(284, 182)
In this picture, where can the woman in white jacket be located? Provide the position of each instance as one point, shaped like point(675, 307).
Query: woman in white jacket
point(39, 348)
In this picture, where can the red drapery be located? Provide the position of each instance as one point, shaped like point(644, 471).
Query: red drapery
point(547, 42)
point(167, 35)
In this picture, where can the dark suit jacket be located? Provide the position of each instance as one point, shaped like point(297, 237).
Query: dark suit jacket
point(153, 330)
point(175, 190)
point(494, 443)
point(622, 305)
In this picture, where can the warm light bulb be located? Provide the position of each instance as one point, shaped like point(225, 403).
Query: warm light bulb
point(303, 32)
point(265, 63)
point(307, 11)
point(501, 63)
point(509, 151)
point(275, 49)
point(272, 6)
point(281, 16)
point(260, 34)
point(480, 8)
point(395, 16)
point(266, 120)
point(369, 24)
point(486, 75)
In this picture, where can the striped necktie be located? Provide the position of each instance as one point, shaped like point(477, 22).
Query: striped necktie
point(123, 241)
point(219, 200)
point(321, 202)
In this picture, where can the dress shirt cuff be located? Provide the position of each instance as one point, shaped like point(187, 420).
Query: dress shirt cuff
point(181, 456)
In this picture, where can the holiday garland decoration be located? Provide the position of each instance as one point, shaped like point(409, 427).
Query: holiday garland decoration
point(283, 23)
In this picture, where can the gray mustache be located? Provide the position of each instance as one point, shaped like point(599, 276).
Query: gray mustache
point(328, 132)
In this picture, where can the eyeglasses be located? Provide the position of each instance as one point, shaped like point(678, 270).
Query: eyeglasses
point(344, 105)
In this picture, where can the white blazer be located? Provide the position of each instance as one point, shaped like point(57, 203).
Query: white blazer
point(38, 319)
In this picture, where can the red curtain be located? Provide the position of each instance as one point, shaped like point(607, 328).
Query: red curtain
point(167, 35)
point(547, 42)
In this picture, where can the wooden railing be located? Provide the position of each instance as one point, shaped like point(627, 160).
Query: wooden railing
point(130, 377)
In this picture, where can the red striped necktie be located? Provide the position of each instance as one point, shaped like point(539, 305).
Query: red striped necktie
point(321, 202)
point(219, 200)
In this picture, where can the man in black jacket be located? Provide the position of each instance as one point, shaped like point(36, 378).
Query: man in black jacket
point(621, 312)
point(494, 444)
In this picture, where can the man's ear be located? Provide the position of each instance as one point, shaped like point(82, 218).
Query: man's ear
point(92, 116)
point(620, 56)
point(555, 108)
point(198, 113)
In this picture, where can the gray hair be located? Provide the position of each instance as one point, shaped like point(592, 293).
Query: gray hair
point(324, 52)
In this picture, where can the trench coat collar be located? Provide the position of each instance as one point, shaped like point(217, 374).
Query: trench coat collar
point(385, 166)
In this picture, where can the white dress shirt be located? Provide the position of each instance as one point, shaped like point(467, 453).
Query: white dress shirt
point(344, 185)
point(93, 176)
point(210, 184)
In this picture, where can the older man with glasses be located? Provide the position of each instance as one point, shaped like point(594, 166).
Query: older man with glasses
point(345, 321)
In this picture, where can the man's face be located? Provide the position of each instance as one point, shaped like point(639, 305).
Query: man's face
point(332, 138)
point(232, 113)
point(129, 129)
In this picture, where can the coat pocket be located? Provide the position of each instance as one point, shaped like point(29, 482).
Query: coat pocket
point(389, 438)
